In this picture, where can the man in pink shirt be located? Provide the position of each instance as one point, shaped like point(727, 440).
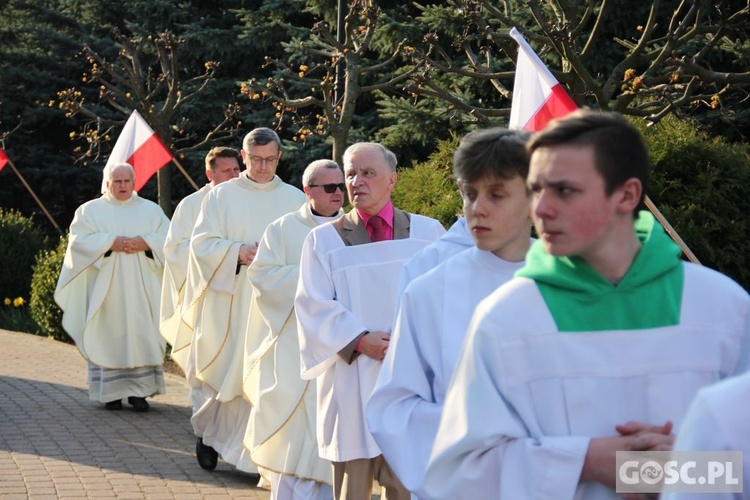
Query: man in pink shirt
point(345, 304)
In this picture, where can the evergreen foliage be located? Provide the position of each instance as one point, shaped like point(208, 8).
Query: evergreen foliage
point(44, 309)
point(697, 65)
point(700, 184)
point(20, 241)
point(428, 188)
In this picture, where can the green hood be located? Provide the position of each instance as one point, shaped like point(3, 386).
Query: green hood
point(581, 300)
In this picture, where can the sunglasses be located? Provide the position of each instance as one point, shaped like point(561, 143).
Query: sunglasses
point(330, 188)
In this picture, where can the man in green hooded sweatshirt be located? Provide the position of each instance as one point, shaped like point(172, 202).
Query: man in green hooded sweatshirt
point(598, 344)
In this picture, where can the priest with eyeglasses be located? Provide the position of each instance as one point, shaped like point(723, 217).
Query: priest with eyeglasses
point(216, 306)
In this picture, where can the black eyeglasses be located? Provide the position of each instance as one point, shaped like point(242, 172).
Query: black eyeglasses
point(330, 188)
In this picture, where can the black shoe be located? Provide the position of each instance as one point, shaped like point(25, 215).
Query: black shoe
point(207, 456)
point(114, 405)
point(138, 404)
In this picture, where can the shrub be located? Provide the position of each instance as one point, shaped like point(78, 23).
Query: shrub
point(428, 188)
point(44, 310)
point(20, 241)
point(700, 184)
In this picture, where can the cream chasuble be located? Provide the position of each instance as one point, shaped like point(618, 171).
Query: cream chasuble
point(343, 291)
point(281, 431)
point(110, 300)
point(217, 297)
point(176, 253)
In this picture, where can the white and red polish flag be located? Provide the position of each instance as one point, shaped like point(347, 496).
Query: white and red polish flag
point(537, 95)
point(3, 158)
point(139, 146)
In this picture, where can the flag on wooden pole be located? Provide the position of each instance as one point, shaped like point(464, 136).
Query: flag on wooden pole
point(537, 95)
point(539, 98)
point(139, 146)
point(3, 158)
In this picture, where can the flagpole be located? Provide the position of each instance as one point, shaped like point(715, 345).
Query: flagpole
point(670, 231)
point(184, 172)
point(31, 191)
point(532, 116)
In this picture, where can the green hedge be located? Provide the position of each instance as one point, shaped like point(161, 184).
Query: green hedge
point(44, 310)
point(20, 241)
point(701, 184)
point(428, 188)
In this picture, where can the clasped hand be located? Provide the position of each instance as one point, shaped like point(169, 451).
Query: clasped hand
point(247, 254)
point(375, 345)
point(129, 245)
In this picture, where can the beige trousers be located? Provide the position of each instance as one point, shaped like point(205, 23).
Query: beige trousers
point(353, 480)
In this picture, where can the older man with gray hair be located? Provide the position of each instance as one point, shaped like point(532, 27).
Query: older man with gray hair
point(109, 290)
point(345, 305)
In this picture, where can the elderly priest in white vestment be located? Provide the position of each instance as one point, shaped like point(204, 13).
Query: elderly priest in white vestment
point(345, 306)
point(281, 432)
point(109, 291)
point(217, 295)
point(222, 164)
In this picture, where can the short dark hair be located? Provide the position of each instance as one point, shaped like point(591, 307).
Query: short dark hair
point(260, 137)
point(222, 152)
point(619, 151)
point(495, 152)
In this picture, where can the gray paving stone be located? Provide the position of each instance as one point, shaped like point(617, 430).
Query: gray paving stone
point(55, 443)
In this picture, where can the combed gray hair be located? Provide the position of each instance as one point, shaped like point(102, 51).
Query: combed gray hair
point(260, 137)
point(308, 176)
point(390, 157)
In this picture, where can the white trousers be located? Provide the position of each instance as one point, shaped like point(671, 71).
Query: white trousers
point(286, 487)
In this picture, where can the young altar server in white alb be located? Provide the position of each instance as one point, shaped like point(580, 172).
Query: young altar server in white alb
point(216, 305)
point(345, 306)
point(597, 345)
point(222, 164)
point(281, 431)
point(718, 420)
point(454, 241)
point(109, 291)
point(491, 167)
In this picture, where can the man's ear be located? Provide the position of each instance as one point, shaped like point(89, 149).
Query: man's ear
point(629, 194)
point(306, 190)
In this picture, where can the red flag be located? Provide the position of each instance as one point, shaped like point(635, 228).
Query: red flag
point(537, 95)
point(139, 146)
point(3, 158)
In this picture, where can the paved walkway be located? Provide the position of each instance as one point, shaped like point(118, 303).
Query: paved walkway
point(55, 443)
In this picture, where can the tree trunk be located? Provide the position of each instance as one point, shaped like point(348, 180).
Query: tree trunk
point(340, 138)
point(164, 179)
